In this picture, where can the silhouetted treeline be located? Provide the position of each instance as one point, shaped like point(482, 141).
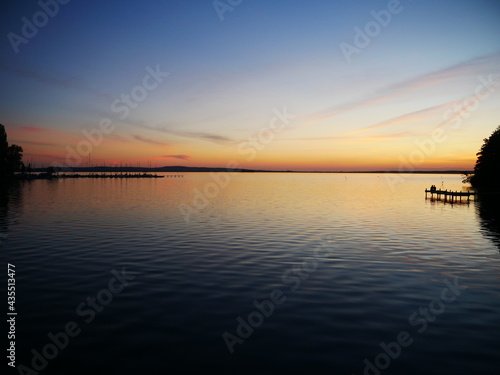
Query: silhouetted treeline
point(487, 170)
point(11, 157)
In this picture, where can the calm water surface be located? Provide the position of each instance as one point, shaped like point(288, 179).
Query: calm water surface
point(351, 263)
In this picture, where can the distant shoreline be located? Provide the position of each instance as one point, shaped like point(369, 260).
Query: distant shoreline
point(182, 169)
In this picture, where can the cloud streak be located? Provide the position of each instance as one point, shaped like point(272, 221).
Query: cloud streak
point(204, 136)
point(68, 83)
point(488, 63)
point(33, 129)
point(33, 143)
point(149, 141)
point(180, 157)
point(45, 155)
point(409, 117)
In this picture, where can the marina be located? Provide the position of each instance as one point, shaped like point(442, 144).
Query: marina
point(48, 176)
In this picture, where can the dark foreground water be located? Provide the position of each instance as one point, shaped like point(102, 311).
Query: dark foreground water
point(262, 274)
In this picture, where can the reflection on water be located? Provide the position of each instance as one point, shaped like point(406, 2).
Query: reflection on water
point(10, 201)
point(488, 209)
point(392, 253)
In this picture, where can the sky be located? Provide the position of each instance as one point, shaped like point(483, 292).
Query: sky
point(311, 85)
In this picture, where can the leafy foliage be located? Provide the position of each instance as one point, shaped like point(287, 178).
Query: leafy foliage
point(487, 169)
point(11, 157)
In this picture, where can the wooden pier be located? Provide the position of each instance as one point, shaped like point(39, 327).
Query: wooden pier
point(61, 176)
point(449, 196)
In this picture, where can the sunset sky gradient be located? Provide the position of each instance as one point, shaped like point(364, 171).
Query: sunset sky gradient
point(433, 65)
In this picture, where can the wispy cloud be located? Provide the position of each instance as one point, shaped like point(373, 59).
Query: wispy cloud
point(168, 128)
point(33, 129)
point(349, 137)
point(63, 83)
point(33, 143)
point(408, 117)
point(473, 67)
point(376, 138)
point(147, 140)
point(44, 156)
point(181, 157)
point(206, 136)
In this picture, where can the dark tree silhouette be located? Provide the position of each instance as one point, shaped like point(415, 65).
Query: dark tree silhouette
point(3, 151)
point(15, 158)
point(487, 169)
point(11, 157)
point(50, 171)
point(489, 214)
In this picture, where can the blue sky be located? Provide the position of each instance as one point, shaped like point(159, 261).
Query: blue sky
point(227, 77)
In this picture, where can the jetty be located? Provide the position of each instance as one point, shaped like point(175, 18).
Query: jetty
point(449, 196)
point(47, 176)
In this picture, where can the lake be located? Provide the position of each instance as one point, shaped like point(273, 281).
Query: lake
point(259, 273)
